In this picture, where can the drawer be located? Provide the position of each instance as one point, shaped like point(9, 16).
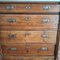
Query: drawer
point(29, 8)
point(28, 49)
point(47, 36)
point(28, 58)
point(28, 22)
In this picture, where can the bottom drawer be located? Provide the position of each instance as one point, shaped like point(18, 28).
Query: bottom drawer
point(28, 49)
point(29, 58)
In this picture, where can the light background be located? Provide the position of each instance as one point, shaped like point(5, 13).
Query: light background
point(29, 0)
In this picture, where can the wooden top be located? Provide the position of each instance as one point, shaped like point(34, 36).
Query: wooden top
point(29, 0)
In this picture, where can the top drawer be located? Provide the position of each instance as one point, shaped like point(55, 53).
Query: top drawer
point(29, 8)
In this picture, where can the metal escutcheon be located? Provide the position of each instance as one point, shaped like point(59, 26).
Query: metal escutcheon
point(43, 49)
point(12, 36)
point(45, 36)
point(46, 7)
point(45, 21)
point(9, 7)
point(13, 49)
point(27, 34)
point(11, 20)
point(28, 7)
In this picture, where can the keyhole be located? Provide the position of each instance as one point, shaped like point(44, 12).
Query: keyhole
point(27, 50)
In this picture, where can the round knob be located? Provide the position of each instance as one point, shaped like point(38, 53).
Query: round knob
point(46, 7)
point(28, 7)
point(9, 7)
point(27, 18)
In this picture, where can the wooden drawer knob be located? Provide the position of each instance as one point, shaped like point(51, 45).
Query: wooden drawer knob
point(9, 7)
point(46, 7)
point(11, 20)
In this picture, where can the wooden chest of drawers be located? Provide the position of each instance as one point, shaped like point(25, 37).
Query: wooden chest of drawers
point(28, 31)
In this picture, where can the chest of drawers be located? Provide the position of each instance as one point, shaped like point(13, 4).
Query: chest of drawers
point(28, 31)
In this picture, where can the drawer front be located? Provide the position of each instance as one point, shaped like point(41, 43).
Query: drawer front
point(34, 22)
point(29, 8)
point(28, 58)
point(28, 37)
point(28, 50)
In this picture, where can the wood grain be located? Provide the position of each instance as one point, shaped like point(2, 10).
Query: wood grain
point(28, 8)
point(28, 49)
point(28, 37)
point(28, 58)
point(31, 22)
